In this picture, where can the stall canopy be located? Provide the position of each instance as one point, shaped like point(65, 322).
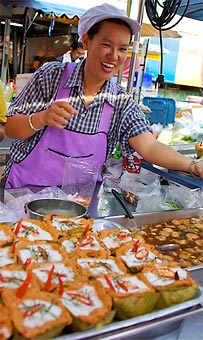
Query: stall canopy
point(67, 14)
point(194, 9)
point(57, 7)
point(63, 12)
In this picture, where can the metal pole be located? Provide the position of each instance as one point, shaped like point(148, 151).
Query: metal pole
point(4, 66)
point(120, 72)
point(23, 44)
point(15, 50)
point(141, 71)
point(135, 48)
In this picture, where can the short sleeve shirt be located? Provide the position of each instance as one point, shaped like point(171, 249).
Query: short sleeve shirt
point(40, 92)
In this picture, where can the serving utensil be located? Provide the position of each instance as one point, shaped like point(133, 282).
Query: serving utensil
point(129, 214)
point(166, 248)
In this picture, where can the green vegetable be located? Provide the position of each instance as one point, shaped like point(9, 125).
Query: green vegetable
point(174, 205)
point(188, 139)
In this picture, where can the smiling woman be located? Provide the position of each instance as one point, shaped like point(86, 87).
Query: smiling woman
point(79, 113)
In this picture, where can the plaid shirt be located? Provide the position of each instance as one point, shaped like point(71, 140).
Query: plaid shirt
point(40, 92)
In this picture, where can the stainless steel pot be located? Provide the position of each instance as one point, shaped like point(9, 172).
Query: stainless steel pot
point(37, 209)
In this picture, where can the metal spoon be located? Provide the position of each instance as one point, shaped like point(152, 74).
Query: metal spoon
point(166, 248)
point(120, 199)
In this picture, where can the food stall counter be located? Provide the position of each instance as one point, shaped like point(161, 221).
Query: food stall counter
point(179, 177)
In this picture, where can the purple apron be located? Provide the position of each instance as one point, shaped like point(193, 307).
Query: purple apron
point(44, 165)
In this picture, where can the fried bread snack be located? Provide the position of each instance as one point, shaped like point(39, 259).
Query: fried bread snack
point(34, 230)
point(7, 256)
point(51, 275)
point(89, 305)
point(131, 296)
point(113, 239)
point(41, 251)
point(65, 226)
point(6, 327)
point(95, 267)
point(6, 234)
point(84, 244)
point(174, 284)
point(137, 255)
point(36, 313)
point(13, 276)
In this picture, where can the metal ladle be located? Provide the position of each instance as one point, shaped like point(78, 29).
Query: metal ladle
point(166, 248)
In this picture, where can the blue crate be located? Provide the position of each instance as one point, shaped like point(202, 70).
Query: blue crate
point(163, 110)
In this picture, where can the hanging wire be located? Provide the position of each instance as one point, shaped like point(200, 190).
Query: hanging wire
point(160, 14)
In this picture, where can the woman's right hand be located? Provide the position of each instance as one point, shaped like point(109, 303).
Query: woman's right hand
point(58, 114)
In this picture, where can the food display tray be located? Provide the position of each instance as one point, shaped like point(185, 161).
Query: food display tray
point(158, 217)
point(148, 326)
point(157, 323)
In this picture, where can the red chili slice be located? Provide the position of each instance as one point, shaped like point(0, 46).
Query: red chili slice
point(136, 246)
point(23, 288)
point(110, 284)
point(122, 285)
point(47, 285)
point(80, 298)
point(87, 228)
point(28, 261)
point(18, 226)
point(123, 235)
point(163, 272)
point(61, 290)
point(32, 310)
point(13, 247)
point(42, 252)
point(142, 254)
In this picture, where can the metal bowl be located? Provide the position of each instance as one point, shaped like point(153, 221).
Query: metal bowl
point(37, 209)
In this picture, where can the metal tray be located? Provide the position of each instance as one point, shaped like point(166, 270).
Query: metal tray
point(158, 217)
point(154, 324)
point(157, 323)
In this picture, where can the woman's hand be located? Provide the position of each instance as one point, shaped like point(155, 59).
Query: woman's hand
point(196, 168)
point(58, 114)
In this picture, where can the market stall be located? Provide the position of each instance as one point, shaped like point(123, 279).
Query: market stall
point(64, 264)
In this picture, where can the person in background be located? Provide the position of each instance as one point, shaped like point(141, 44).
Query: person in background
point(75, 110)
point(75, 54)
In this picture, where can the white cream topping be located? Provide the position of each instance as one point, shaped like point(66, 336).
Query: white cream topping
point(131, 283)
point(37, 312)
point(4, 333)
point(5, 257)
point(11, 278)
point(89, 243)
point(57, 222)
point(4, 236)
point(33, 232)
point(131, 260)
point(82, 301)
point(157, 280)
point(51, 255)
point(99, 266)
point(65, 273)
point(113, 241)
